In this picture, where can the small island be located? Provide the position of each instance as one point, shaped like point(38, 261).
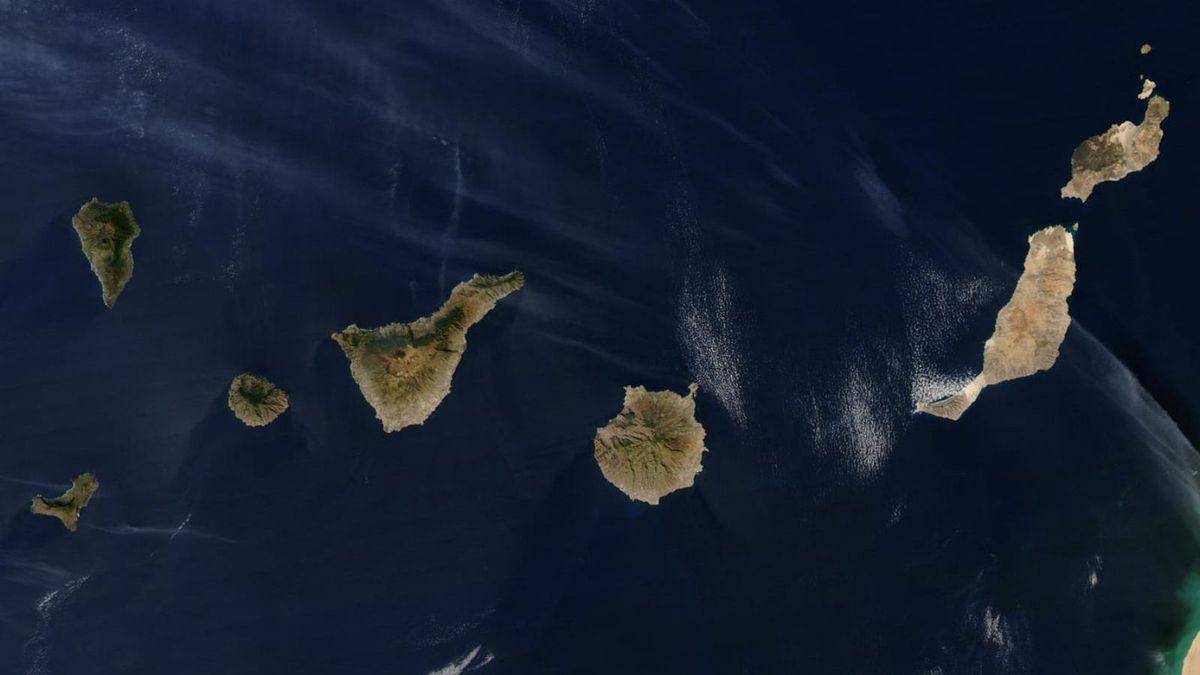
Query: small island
point(653, 447)
point(404, 369)
point(1148, 86)
point(1118, 152)
point(67, 506)
point(256, 401)
point(106, 233)
point(1031, 327)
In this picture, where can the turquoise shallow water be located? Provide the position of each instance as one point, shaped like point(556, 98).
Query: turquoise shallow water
point(1190, 597)
point(812, 211)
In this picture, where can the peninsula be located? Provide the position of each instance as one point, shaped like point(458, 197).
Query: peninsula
point(106, 233)
point(653, 447)
point(404, 369)
point(67, 506)
point(1031, 327)
point(1118, 152)
point(256, 401)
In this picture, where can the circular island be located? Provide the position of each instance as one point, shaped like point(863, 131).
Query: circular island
point(256, 401)
point(653, 447)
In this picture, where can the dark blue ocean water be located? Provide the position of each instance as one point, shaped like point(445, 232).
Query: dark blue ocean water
point(813, 211)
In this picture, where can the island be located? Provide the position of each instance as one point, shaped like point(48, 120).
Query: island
point(404, 369)
point(653, 447)
point(1148, 86)
point(106, 234)
point(1031, 327)
point(67, 506)
point(256, 401)
point(1118, 152)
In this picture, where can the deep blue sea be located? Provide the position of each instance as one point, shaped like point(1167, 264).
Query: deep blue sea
point(814, 210)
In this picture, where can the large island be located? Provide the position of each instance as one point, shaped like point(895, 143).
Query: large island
point(1030, 328)
point(404, 369)
point(653, 447)
point(106, 233)
point(1118, 152)
point(66, 507)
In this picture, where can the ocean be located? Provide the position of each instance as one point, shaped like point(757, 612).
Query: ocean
point(812, 211)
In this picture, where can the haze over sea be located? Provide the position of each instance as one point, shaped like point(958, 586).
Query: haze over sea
point(812, 211)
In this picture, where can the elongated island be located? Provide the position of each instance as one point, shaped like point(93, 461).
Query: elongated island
point(106, 233)
point(404, 369)
point(1118, 152)
point(1030, 328)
